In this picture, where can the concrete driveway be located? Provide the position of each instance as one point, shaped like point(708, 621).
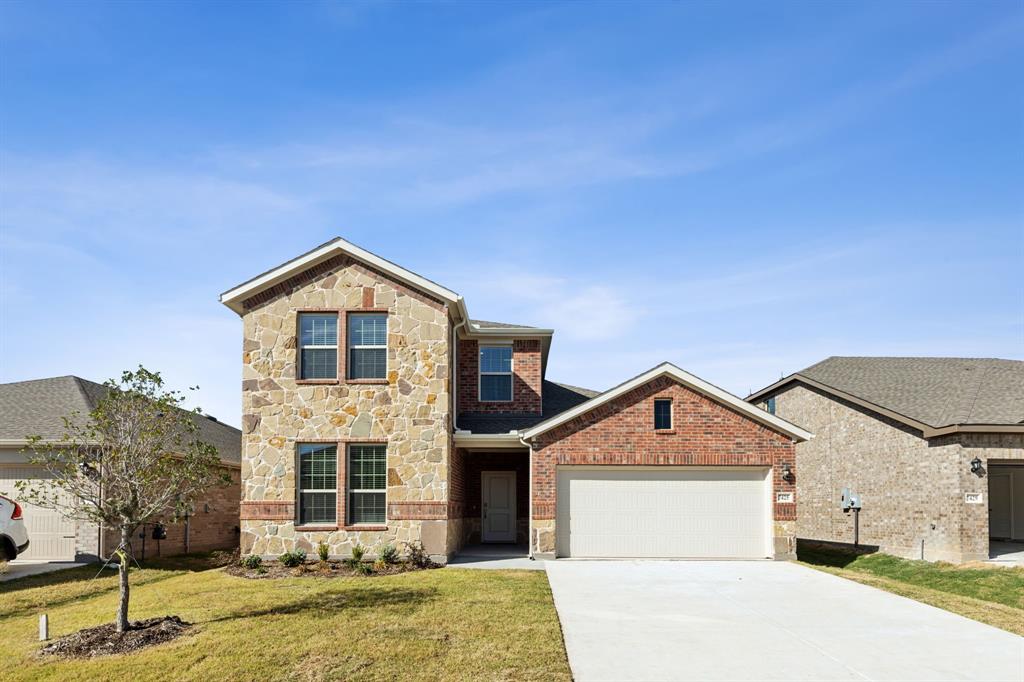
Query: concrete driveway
point(761, 620)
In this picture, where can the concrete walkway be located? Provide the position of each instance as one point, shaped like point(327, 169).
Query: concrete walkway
point(495, 557)
point(1006, 553)
point(22, 569)
point(761, 620)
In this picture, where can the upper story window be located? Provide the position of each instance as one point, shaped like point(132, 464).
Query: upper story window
point(318, 346)
point(318, 484)
point(770, 405)
point(662, 414)
point(367, 346)
point(496, 373)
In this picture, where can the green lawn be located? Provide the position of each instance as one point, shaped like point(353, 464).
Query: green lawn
point(440, 624)
point(990, 594)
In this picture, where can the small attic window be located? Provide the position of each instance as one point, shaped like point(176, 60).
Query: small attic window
point(662, 415)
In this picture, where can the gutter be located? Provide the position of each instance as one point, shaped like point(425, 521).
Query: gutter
point(529, 495)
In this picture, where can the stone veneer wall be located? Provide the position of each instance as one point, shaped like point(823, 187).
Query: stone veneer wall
point(912, 489)
point(409, 411)
point(526, 378)
point(621, 432)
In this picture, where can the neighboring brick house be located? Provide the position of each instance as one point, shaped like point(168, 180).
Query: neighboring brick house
point(38, 408)
point(376, 411)
point(934, 447)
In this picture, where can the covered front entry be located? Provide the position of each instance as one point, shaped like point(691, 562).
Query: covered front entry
point(498, 504)
point(1006, 500)
point(663, 512)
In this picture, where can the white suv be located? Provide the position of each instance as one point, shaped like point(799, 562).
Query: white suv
point(13, 536)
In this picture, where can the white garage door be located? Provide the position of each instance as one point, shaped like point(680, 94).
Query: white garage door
point(659, 512)
point(51, 536)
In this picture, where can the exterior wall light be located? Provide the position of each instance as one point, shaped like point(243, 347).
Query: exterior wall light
point(976, 466)
point(787, 472)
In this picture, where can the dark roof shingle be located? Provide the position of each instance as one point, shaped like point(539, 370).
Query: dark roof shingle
point(934, 391)
point(556, 398)
point(38, 408)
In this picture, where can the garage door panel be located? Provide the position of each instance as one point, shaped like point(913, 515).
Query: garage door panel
point(623, 512)
point(51, 535)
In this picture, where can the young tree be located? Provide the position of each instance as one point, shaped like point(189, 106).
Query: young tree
point(136, 457)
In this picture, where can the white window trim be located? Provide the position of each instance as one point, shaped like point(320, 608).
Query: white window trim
point(481, 373)
point(349, 347)
point(298, 506)
point(350, 491)
point(671, 415)
point(337, 323)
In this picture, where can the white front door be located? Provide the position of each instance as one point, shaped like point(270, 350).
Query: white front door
point(663, 512)
point(498, 491)
point(999, 505)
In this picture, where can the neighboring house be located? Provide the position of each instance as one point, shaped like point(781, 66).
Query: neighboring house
point(933, 446)
point(376, 411)
point(38, 408)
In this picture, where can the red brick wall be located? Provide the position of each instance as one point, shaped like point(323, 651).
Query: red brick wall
point(621, 432)
point(526, 378)
point(214, 525)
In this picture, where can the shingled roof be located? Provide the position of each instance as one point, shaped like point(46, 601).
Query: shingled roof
point(936, 392)
point(38, 408)
point(557, 399)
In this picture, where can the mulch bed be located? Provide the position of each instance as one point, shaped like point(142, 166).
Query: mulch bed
point(104, 640)
point(318, 569)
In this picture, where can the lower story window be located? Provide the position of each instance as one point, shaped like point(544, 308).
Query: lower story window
point(367, 483)
point(318, 484)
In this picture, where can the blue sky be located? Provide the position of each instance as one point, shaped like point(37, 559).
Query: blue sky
point(741, 189)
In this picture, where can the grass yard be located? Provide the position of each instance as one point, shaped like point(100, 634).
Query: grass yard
point(439, 624)
point(990, 594)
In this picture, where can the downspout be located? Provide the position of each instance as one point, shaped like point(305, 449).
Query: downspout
point(529, 511)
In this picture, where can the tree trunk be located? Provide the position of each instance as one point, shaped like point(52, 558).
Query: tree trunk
point(122, 606)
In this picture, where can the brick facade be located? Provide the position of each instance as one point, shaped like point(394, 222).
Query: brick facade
point(213, 525)
point(621, 432)
point(912, 488)
point(526, 378)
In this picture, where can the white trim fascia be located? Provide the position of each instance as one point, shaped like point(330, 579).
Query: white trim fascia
point(233, 297)
point(467, 439)
point(931, 432)
point(695, 383)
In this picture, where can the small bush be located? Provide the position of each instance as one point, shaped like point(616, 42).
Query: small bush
point(417, 555)
point(380, 565)
point(356, 560)
point(364, 568)
point(293, 559)
point(389, 555)
point(323, 550)
point(251, 562)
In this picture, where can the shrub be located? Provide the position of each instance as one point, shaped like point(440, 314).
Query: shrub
point(323, 550)
point(388, 554)
point(252, 562)
point(417, 555)
point(380, 565)
point(356, 560)
point(293, 559)
point(364, 568)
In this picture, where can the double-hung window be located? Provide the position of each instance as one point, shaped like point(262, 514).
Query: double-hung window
point(769, 405)
point(367, 346)
point(495, 373)
point(318, 346)
point(318, 484)
point(367, 483)
point(662, 414)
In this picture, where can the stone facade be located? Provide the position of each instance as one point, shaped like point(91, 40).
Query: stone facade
point(912, 489)
point(620, 432)
point(409, 411)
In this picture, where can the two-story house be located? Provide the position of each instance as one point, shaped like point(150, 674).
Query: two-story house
point(376, 411)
